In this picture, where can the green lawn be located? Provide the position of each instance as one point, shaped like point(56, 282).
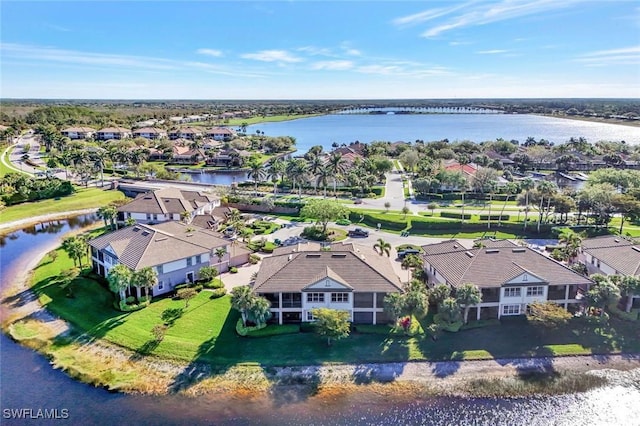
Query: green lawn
point(4, 169)
point(206, 333)
point(83, 198)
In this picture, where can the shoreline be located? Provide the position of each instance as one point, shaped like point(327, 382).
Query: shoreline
point(601, 120)
point(9, 227)
point(125, 371)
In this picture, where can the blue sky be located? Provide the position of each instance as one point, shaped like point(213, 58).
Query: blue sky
point(320, 49)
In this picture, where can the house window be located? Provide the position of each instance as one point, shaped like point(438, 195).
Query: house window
point(199, 259)
point(310, 316)
point(535, 291)
point(315, 297)
point(340, 297)
point(155, 216)
point(525, 277)
point(160, 285)
point(189, 261)
point(190, 277)
point(159, 269)
point(511, 310)
point(512, 292)
point(148, 216)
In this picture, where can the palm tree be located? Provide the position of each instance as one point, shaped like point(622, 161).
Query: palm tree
point(527, 185)
point(256, 173)
point(144, 278)
point(242, 300)
point(545, 188)
point(323, 176)
point(572, 242)
point(99, 156)
point(314, 166)
point(76, 248)
point(337, 168)
point(491, 189)
point(275, 172)
point(412, 262)
point(119, 278)
point(510, 189)
point(220, 252)
point(109, 214)
point(383, 247)
point(259, 311)
point(468, 295)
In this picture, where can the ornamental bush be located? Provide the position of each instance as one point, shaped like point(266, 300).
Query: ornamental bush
point(219, 292)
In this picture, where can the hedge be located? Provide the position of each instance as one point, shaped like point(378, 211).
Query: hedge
point(274, 330)
point(217, 293)
point(625, 316)
point(504, 217)
point(373, 219)
point(455, 215)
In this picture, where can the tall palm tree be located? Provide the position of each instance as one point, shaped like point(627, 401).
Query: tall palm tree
point(99, 157)
point(275, 172)
point(144, 278)
point(242, 300)
point(510, 189)
point(527, 185)
point(119, 278)
point(337, 168)
point(256, 173)
point(383, 247)
point(572, 242)
point(545, 189)
point(314, 165)
point(468, 295)
point(323, 178)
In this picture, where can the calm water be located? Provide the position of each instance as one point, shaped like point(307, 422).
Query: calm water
point(346, 128)
point(29, 382)
point(219, 178)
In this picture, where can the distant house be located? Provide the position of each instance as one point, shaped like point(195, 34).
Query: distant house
point(112, 133)
point(509, 276)
point(353, 278)
point(187, 155)
point(149, 133)
point(221, 133)
point(217, 216)
point(612, 255)
point(168, 204)
point(468, 171)
point(176, 252)
point(74, 133)
point(189, 133)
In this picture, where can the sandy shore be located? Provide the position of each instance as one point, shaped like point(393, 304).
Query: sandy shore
point(20, 304)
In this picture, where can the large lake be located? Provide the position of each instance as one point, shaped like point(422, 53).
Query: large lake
point(29, 382)
point(346, 128)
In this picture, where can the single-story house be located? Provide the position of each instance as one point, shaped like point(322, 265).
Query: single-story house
point(176, 252)
point(297, 279)
point(168, 204)
point(112, 133)
point(149, 133)
point(611, 255)
point(78, 132)
point(509, 276)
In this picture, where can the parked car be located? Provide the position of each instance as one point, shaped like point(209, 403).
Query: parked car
point(403, 253)
point(358, 232)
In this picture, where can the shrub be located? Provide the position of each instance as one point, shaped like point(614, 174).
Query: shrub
point(454, 215)
point(618, 313)
point(453, 327)
point(130, 300)
point(343, 222)
point(314, 233)
point(274, 330)
point(214, 283)
point(243, 331)
point(307, 327)
point(254, 259)
point(219, 292)
point(505, 217)
point(233, 270)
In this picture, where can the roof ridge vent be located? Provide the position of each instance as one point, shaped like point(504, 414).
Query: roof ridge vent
point(519, 250)
point(468, 253)
point(636, 248)
point(492, 251)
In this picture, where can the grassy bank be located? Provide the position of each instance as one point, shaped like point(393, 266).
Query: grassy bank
point(83, 198)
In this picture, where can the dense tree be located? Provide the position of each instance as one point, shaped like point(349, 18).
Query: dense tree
point(548, 314)
point(119, 278)
point(439, 293)
point(324, 211)
point(331, 323)
point(629, 286)
point(449, 310)
point(242, 300)
point(76, 248)
point(603, 293)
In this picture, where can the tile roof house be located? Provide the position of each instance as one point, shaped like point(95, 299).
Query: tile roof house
point(112, 133)
point(78, 132)
point(509, 276)
point(611, 255)
point(190, 133)
point(168, 204)
point(299, 278)
point(221, 133)
point(175, 250)
point(149, 133)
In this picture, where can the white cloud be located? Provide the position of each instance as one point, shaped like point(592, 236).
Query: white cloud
point(427, 15)
point(484, 13)
point(333, 65)
point(315, 51)
point(620, 56)
point(272, 56)
point(210, 52)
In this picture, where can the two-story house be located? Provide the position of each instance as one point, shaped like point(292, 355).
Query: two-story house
point(220, 133)
point(176, 252)
point(109, 133)
point(297, 279)
point(509, 276)
point(150, 133)
point(168, 204)
point(75, 133)
point(189, 133)
point(612, 255)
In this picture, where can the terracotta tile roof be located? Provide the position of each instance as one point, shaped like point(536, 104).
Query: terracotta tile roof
point(496, 265)
point(220, 131)
point(358, 267)
point(620, 253)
